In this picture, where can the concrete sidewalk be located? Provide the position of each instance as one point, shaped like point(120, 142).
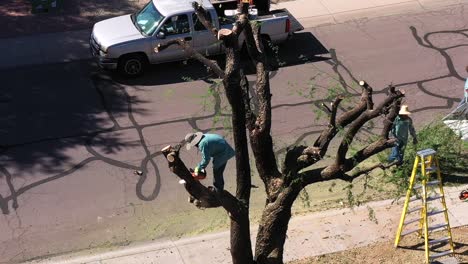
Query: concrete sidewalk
point(310, 235)
point(73, 45)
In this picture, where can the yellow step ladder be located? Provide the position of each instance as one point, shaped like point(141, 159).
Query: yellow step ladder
point(425, 166)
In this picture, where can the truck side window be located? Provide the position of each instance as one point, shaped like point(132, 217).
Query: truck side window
point(198, 26)
point(176, 25)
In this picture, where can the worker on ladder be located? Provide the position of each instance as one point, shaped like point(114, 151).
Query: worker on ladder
point(401, 126)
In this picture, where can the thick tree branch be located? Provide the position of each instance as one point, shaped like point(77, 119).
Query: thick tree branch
point(391, 113)
point(313, 154)
point(343, 165)
point(192, 53)
point(241, 249)
point(249, 114)
point(206, 198)
point(334, 110)
point(369, 169)
point(262, 86)
point(202, 15)
point(260, 132)
point(312, 176)
point(343, 120)
point(368, 151)
point(368, 94)
point(360, 121)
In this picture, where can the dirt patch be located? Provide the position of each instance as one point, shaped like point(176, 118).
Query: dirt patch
point(411, 251)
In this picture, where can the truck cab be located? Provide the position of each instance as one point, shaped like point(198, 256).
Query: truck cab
point(127, 43)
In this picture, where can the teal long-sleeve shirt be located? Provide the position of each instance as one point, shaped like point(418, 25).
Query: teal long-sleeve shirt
point(216, 147)
point(400, 129)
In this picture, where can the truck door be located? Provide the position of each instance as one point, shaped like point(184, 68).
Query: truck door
point(175, 27)
point(203, 39)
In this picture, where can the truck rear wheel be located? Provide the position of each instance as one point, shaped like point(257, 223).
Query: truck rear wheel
point(132, 65)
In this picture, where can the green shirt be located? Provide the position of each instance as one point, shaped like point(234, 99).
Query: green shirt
point(400, 129)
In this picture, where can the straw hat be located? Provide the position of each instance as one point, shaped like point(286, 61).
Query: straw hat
point(193, 139)
point(404, 110)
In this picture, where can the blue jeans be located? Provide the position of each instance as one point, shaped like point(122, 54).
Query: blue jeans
point(218, 178)
point(398, 152)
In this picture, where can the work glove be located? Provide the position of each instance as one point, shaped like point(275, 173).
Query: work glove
point(198, 173)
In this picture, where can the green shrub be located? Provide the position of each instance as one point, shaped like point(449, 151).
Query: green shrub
point(451, 152)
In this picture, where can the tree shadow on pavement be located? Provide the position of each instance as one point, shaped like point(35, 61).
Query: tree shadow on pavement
point(55, 119)
point(301, 49)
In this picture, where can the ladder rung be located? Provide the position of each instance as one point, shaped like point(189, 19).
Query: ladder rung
point(414, 209)
point(432, 198)
point(412, 221)
point(431, 228)
point(431, 169)
point(435, 212)
point(415, 198)
point(425, 162)
point(409, 232)
point(440, 240)
point(441, 254)
point(431, 183)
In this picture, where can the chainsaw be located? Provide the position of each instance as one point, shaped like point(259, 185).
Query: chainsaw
point(200, 175)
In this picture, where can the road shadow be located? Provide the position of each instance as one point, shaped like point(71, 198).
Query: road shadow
point(18, 20)
point(57, 118)
point(46, 113)
point(302, 48)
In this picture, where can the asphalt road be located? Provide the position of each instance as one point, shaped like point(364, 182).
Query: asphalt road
point(71, 135)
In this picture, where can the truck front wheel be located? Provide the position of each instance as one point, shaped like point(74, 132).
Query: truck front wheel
point(132, 65)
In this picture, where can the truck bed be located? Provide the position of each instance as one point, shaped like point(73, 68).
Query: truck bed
point(295, 24)
point(221, 5)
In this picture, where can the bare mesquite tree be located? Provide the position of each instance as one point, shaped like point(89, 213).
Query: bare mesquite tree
point(283, 185)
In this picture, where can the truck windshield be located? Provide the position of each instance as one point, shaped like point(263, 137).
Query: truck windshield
point(148, 19)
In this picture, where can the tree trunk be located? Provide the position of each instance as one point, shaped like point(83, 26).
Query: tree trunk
point(241, 246)
point(273, 228)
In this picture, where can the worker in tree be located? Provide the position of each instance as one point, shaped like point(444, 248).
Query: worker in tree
point(211, 146)
point(401, 126)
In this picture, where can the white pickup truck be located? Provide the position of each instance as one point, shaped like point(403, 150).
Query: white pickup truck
point(127, 42)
